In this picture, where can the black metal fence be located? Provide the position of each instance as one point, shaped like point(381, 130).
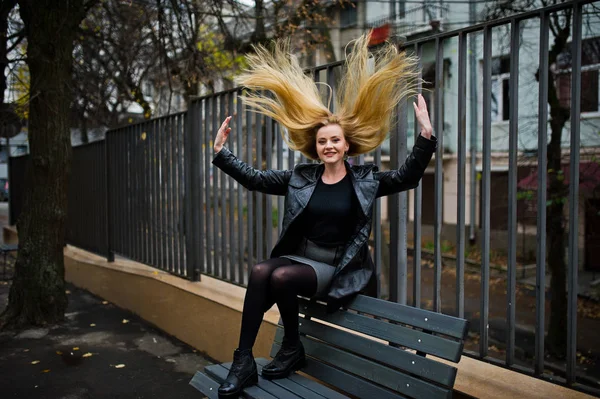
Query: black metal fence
point(87, 212)
point(86, 225)
point(170, 208)
point(146, 193)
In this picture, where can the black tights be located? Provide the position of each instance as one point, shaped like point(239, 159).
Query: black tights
point(282, 280)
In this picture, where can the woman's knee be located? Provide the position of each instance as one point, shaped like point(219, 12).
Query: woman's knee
point(281, 279)
point(262, 271)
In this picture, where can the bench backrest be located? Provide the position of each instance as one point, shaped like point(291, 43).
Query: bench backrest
point(386, 359)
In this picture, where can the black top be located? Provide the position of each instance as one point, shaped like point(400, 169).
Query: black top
point(328, 219)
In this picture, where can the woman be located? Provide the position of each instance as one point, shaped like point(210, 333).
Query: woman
point(323, 250)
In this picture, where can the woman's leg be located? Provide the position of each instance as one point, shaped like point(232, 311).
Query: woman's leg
point(256, 299)
point(287, 282)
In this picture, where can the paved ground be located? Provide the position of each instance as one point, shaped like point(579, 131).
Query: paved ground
point(100, 351)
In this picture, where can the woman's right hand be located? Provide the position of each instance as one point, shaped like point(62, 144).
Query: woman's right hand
point(222, 135)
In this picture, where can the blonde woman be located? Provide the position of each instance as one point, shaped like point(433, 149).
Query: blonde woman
point(323, 250)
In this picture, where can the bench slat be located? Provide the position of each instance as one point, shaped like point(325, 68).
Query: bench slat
point(414, 339)
point(347, 382)
point(219, 372)
point(206, 385)
point(374, 372)
point(382, 353)
point(293, 386)
point(436, 322)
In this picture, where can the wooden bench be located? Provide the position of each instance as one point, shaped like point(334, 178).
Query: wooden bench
point(385, 356)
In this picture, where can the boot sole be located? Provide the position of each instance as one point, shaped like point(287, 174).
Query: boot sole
point(250, 381)
point(300, 363)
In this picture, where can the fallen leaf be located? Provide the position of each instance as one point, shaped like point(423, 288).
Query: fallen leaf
point(87, 355)
point(45, 371)
point(93, 325)
point(58, 352)
point(125, 321)
point(155, 272)
point(76, 348)
point(35, 362)
point(104, 302)
point(119, 366)
point(67, 292)
point(25, 350)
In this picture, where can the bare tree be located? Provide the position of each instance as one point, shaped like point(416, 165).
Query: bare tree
point(37, 295)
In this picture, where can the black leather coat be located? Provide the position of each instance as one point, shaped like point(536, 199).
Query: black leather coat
point(354, 272)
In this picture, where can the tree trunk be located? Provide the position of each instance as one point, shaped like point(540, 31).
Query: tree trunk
point(555, 224)
point(37, 295)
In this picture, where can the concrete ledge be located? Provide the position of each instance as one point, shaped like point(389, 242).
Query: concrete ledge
point(204, 314)
point(207, 316)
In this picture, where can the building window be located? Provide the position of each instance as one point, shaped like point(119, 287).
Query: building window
point(590, 84)
point(500, 88)
point(348, 16)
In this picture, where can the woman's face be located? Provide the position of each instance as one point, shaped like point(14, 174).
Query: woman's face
point(331, 144)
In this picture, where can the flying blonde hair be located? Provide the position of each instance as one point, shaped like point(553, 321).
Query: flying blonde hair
point(365, 103)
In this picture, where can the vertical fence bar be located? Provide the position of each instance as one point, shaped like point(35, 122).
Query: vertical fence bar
point(183, 198)
point(377, 233)
point(210, 250)
point(461, 178)
point(155, 194)
point(119, 198)
point(110, 256)
point(128, 194)
point(133, 135)
point(193, 152)
point(512, 190)
point(146, 192)
point(574, 195)
point(268, 198)
point(280, 203)
point(485, 181)
point(540, 280)
point(223, 99)
point(240, 204)
point(163, 177)
point(259, 197)
point(176, 176)
point(403, 208)
point(331, 82)
point(166, 178)
point(171, 197)
point(160, 194)
point(232, 240)
point(215, 182)
point(143, 191)
point(439, 177)
point(139, 192)
point(394, 217)
point(418, 203)
point(249, 205)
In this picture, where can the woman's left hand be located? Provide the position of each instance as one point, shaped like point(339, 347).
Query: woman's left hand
point(423, 117)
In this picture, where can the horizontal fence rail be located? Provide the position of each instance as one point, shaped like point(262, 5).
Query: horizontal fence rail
point(167, 205)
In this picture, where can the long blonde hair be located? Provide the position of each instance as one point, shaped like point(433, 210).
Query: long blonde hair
point(365, 103)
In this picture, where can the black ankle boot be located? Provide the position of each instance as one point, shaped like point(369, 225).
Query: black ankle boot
point(242, 374)
point(290, 358)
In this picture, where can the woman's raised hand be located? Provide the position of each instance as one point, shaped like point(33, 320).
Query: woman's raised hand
point(423, 117)
point(222, 134)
